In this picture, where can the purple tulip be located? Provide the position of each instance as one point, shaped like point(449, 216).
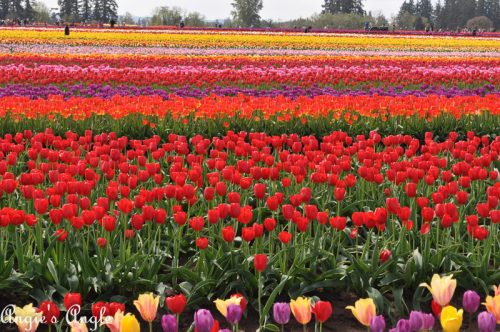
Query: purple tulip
point(428, 322)
point(234, 313)
point(486, 322)
point(225, 330)
point(403, 325)
point(203, 320)
point(281, 313)
point(169, 323)
point(416, 321)
point(377, 324)
point(471, 301)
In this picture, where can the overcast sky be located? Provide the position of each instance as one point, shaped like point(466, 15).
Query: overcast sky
point(275, 9)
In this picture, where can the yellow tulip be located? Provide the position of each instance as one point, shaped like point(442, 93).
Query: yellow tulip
point(130, 324)
point(147, 305)
point(442, 289)
point(223, 304)
point(301, 309)
point(78, 326)
point(364, 310)
point(27, 318)
point(492, 304)
point(451, 319)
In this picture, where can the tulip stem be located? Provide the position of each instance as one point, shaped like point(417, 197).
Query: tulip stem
point(304, 328)
point(259, 294)
point(150, 326)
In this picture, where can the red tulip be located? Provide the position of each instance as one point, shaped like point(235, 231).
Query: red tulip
point(176, 304)
point(102, 242)
point(72, 299)
point(100, 310)
point(322, 310)
point(50, 312)
point(260, 262)
point(202, 243)
point(284, 237)
point(228, 233)
point(385, 255)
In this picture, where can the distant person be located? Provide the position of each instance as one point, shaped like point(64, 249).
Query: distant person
point(66, 30)
point(182, 24)
point(112, 23)
point(367, 26)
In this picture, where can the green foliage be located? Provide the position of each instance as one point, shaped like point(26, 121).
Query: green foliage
point(246, 12)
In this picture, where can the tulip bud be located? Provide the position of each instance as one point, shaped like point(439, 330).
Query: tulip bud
point(471, 301)
point(169, 323)
point(416, 320)
point(260, 262)
point(486, 322)
point(377, 324)
point(281, 313)
point(234, 313)
point(203, 320)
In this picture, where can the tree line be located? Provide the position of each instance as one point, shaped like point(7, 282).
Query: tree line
point(450, 14)
point(69, 10)
point(342, 14)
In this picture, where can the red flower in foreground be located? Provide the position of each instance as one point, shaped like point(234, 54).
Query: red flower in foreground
point(260, 262)
point(72, 299)
point(50, 312)
point(322, 310)
point(176, 303)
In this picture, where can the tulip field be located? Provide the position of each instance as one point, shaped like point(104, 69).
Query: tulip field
point(211, 180)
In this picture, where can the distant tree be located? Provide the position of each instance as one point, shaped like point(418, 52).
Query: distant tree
point(86, 10)
point(195, 19)
point(167, 16)
point(29, 12)
point(246, 12)
point(68, 10)
point(408, 7)
point(127, 19)
point(424, 8)
point(480, 22)
point(109, 10)
point(405, 20)
point(419, 23)
point(42, 13)
point(343, 6)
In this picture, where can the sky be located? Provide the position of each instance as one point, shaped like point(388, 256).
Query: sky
point(217, 9)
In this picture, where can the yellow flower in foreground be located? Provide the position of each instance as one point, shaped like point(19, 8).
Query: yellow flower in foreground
point(223, 304)
point(301, 309)
point(451, 319)
point(364, 310)
point(442, 289)
point(78, 326)
point(26, 318)
point(130, 324)
point(492, 304)
point(147, 305)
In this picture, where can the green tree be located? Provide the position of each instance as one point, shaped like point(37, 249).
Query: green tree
point(68, 10)
point(167, 16)
point(127, 19)
point(246, 12)
point(195, 19)
point(29, 12)
point(424, 9)
point(42, 13)
point(86, 10)
point(343, 6)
